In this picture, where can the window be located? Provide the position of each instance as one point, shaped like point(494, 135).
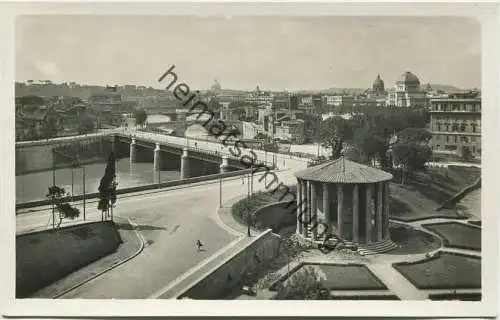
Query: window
point(456, 139)
point(473, 139)
point(447, 138)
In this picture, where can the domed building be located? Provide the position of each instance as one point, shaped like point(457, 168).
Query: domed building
point(347, 200)
point(407, 92)
point(378, 87)
point(216, 87)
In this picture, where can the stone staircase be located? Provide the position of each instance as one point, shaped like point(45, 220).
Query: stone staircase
point(363, 249)
point(377, 247)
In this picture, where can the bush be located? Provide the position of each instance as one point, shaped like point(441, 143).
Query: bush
point(249, 205)
point(303, 285)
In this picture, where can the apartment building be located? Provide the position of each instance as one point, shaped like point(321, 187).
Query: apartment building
point(455, 124)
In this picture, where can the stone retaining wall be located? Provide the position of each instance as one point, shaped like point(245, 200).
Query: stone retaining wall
point(167, 184)
point(229, 273)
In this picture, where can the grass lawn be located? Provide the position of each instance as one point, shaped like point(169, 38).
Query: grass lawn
point(346, 277)
point(423, 194)
point(457, 235)
point(412, 241)
point(254, 202)
point(45, 257)
point(444, 271)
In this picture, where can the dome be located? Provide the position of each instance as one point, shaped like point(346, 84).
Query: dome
point(409, 77)
point(378, 83)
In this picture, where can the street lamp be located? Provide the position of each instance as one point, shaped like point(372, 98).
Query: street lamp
point(220, 191)
point(54, 185)
point(248, 224)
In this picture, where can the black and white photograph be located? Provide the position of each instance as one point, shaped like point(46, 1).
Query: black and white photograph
point(249, 157)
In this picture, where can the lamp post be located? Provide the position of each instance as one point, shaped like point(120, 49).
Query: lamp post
point(251, 181)
point(53, 184)
point(220, 191)
point(83, 167)
point(248, 224)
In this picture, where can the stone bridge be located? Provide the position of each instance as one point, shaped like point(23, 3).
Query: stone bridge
point(162, 153)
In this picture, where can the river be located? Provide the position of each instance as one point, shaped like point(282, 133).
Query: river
point(34, 186)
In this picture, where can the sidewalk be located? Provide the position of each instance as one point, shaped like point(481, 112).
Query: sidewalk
point(396, 282)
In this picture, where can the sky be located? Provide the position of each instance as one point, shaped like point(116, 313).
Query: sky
point(276, 53)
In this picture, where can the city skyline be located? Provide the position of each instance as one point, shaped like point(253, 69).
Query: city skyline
point(276, 53)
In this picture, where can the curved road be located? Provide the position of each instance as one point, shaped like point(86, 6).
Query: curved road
point(170, 221)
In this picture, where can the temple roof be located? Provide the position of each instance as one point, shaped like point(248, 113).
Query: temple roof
point(343, 171)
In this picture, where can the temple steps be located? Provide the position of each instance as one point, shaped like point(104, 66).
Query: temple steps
point(363, 249)
point(377, 247)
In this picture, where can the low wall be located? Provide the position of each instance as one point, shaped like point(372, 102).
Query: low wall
point(46, 256)
point(32, 204)
point(230, 272)
point(276, 215)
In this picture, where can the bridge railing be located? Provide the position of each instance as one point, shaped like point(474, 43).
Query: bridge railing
point(105, 132)
point(211, 143)
point(217, 150)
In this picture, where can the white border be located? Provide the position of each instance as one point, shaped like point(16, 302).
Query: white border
point(486, 13)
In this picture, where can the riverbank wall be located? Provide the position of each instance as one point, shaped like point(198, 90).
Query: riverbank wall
point(46, 202)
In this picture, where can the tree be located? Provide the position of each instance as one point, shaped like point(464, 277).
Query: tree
point(30, 100)
point(107, 188)
point(305, 284)
point(140, 117)
point(466, 153)
point(50, 126)
point(59, 201)
point(333, 133)
point(411, 157)
point(86, 124)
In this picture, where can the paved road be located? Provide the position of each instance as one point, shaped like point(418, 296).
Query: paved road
point(170, 222)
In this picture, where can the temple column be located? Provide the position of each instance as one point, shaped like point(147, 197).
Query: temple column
point(156, 161)
point(185, 164)
point(314, 210)
point(326, 204)
point(299, 207)
point(305, 207)
point(224, 167)
point(380, 210)
point(340, 209)
point(308, 209)
point(386, 210)
point(133, 151)
point(355, 214)
point(368, 217)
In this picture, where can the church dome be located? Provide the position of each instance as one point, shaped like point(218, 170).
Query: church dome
point(409, 78)
point(378, 84)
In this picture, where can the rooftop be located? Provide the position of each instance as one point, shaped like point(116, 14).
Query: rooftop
point(343, 171)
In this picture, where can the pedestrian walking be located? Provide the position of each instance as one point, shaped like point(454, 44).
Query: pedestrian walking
point(199, 245)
